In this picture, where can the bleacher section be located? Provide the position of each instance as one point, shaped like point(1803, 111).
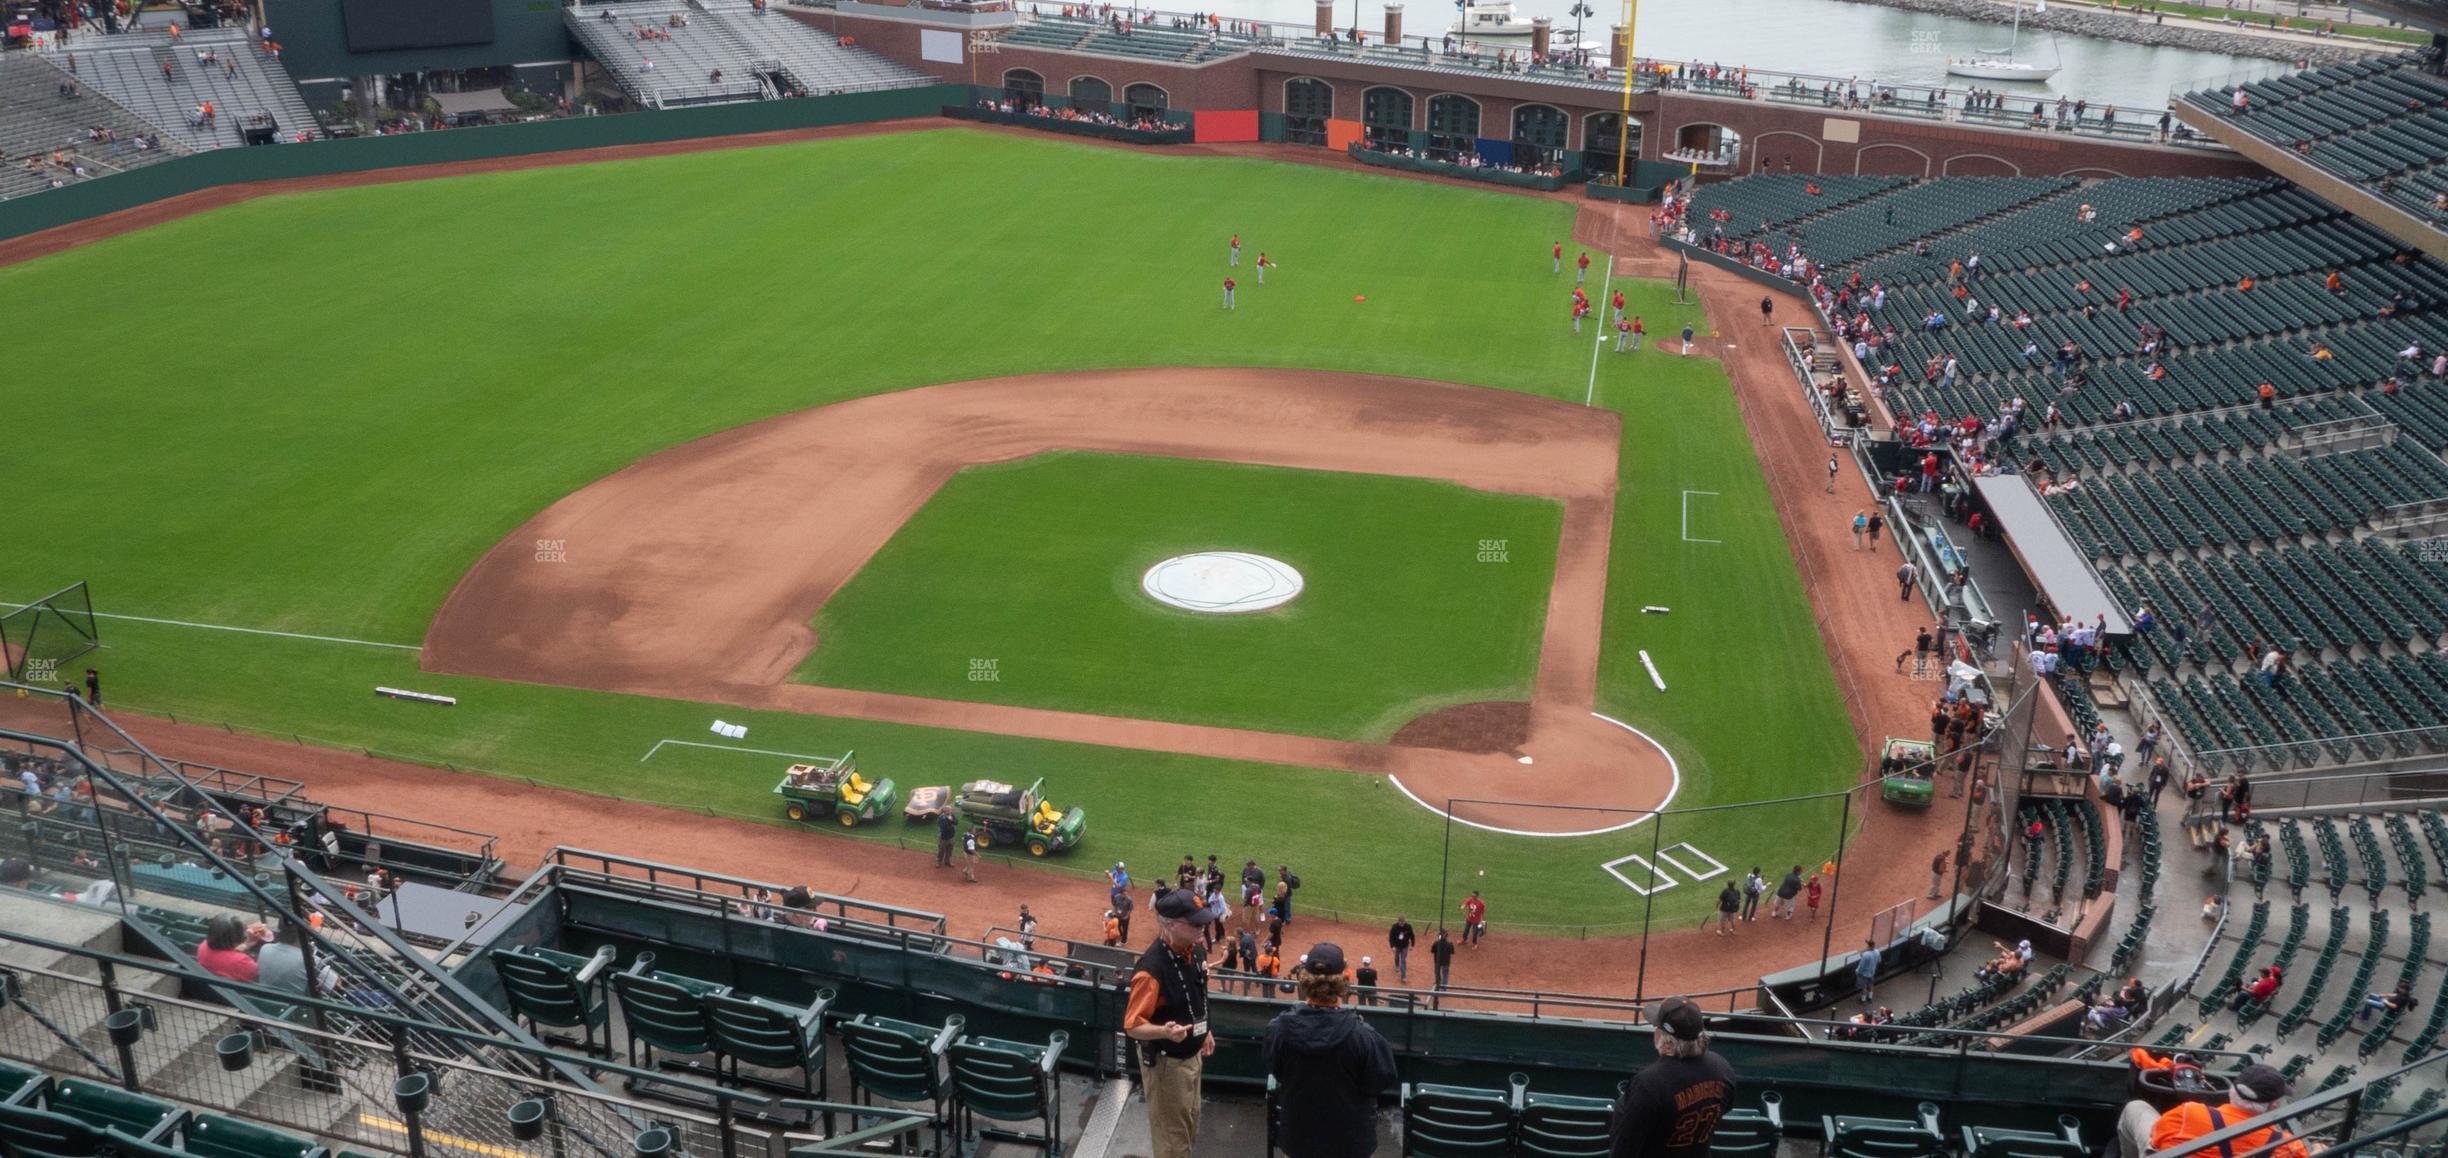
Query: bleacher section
point(2284, 523)
point(37, 119)
point(1142, 41)
point(668, 53)
point(242, 83)
point(2379, 124)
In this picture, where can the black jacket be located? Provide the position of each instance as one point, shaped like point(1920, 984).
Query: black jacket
point(1329, 1068)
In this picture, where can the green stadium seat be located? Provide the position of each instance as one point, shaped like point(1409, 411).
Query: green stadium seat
point(900, 1061)
point(22, 1086)
point(1008, 1081)
point(1564, 1126)
point(771, 1035)
point(28, 1132)
point(1851, 1137)
point(1985, 1142)
point(664, 1011)
point(1751, 1133)
point(111, 1108)
point(551, 988)
point(1457, 1121)
point(214, 1136)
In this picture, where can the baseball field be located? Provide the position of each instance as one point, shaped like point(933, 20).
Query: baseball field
point(826, 449)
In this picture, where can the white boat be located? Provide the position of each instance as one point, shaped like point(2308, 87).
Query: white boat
point(1491, 21)
point(2001, 64)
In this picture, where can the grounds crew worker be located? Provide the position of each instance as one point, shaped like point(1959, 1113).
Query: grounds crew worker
point(1670, 1108)
point(1167, 1018)
point(2258, 1090)
point(1329, 1066)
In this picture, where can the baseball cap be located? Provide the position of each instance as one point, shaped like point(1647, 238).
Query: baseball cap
point(1679, 1018)
point(1179, 905)
point(2261, 1083)
point(1325, 957)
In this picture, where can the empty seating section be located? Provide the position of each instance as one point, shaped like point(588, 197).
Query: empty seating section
point(667, 53)
point(2113, 207)
point(2381, 124)
point(165, 81)
point(1778, 200)
point(1843, 238)
point(1143, 41)
point(38, 119)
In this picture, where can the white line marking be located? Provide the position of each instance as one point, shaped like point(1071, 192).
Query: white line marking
point(1674, 785)
point(1717, 868)
point(245, 630)
point(1655, 875)
point(1591, 398)
point(731, 748)
point(1687, 535)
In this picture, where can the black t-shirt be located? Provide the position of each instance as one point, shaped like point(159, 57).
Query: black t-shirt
point(1670, 1109)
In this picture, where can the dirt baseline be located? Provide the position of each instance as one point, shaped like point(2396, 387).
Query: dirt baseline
point(694, 573)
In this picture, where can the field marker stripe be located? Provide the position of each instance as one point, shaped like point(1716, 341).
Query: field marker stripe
point(245, 630)
point(1591, 398)
point(730, 748)
point(1659, 879)
point(1687, 536)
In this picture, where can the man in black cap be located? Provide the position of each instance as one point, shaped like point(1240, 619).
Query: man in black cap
point(1328, 1065)
point(1167, 1017)
point(1670, 1108)
point(2258, 1090)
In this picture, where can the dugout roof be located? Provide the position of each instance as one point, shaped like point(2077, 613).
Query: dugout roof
point(2056, 566)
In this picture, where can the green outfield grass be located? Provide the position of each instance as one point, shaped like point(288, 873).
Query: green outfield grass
point(362, 390)
point(1034, 567)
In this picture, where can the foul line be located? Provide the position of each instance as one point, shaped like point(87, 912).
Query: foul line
point(1591, 397)
point(730, 748)
point(245, 630)
point(1674, 785)
point(1687, 536)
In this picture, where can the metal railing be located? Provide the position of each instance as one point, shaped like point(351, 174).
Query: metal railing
point(190, 1051)
point(2353, 1118)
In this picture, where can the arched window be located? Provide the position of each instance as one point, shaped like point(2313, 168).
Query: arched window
point(1308, 105)
point(1453, 127)
point(1539, 134)
point(1602, 137)
point(1385, 117)
point(1144, 100)
point(1091, 95)
point(1024, 89)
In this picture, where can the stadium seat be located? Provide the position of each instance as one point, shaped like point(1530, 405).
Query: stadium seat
point(1915, 1137)
point(1984, 1142)
point(664, 1011)
point(551, 988)
point(111, 1108)
point(1457, 1121)
point(1751, 1133)
point(1564, 1126)
point(771, 1035)
point(900, 1061)
point(214, 1136)
point(27, 1132)
point(1008, 1081)
point(22, 1086)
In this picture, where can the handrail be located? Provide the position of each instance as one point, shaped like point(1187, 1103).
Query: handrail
point(894, 915)
point(2350, 1095)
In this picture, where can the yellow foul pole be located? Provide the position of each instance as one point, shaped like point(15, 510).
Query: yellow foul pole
point(1623, 126)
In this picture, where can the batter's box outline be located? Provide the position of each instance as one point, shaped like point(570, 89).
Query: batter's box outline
point(1717, 868)
point(1655, 875)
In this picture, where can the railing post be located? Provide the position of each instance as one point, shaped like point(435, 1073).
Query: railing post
point(110, 986)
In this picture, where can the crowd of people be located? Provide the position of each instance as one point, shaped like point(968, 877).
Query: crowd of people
point(1462, 159)
point(1142, 122)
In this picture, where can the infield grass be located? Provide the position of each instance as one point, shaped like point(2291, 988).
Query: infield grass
point(379, 383)
point(1019, 583)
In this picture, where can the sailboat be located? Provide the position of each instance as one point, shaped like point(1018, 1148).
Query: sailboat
point(2001, 64)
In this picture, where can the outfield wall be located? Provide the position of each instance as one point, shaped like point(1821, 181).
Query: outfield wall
point(91, 199)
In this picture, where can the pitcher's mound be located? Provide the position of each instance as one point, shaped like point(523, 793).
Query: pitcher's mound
point(1491, 726)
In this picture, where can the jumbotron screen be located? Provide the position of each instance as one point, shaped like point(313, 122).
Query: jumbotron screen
point(385, 25)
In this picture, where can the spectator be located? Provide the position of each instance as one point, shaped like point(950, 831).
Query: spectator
point(1167, 1019)
point(1787, 890)
point(1443, 953)
point(1474, 919)
point(1729, 905)
point(1671, 1107)
point(229, 948)
point(2258, 1090)
point(1753, 886)
point(1328, 1065)
point(282, 964)
point(1865, 971)
point(1366, 978)
point(2398, 1000)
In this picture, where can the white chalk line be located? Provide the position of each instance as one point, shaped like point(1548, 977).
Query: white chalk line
point(732, 748)
point(1687, 535)
point(1674, 785)
point(1590, 398)
point(246, 630)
